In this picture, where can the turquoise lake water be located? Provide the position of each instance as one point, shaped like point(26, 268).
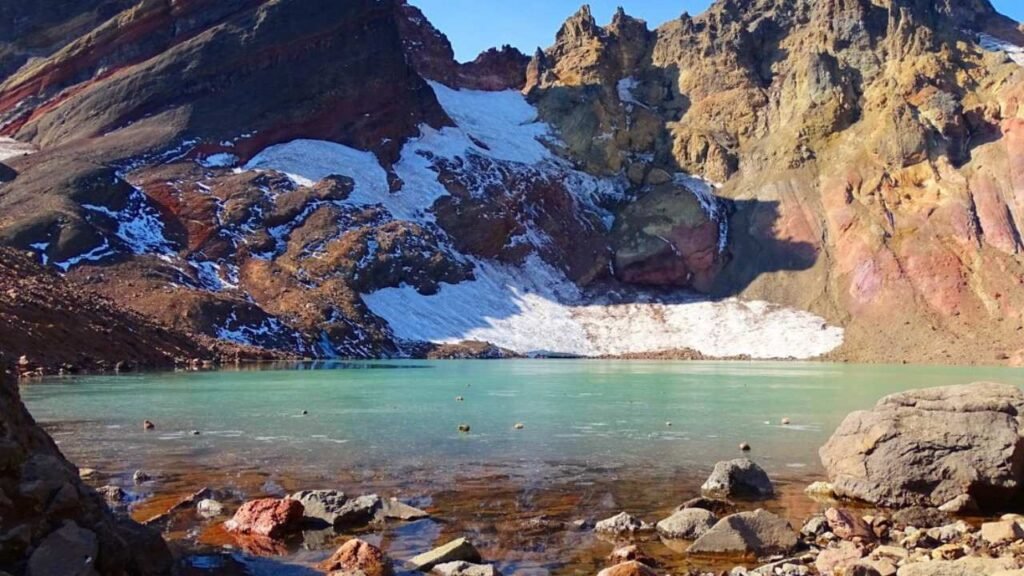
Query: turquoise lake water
point(403, 416)
point(596, 441)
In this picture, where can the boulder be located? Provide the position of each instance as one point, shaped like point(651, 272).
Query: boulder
point(456, 550)
point(269, 517)
point(631, 552)
point(358, 556)
point(461, 568)
point(622, 523)
point(739, 478)
point(70, 551)
point(358, 511)
point(688, 524)
point(631, 568)
point(209, 508)
point(928, 447)
point(757, 533)
point(322, 505)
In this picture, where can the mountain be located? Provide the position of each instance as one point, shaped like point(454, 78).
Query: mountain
point(769, 179)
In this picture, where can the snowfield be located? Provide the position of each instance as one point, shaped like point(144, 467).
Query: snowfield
point(534, 308)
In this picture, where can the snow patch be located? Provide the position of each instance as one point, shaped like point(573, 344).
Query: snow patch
point(220, 160)
point(626, 88)
point(138, 225)
point(95, 255)
point(993, 44)
point(11, 148)
point(536, 310)
point(713, 206)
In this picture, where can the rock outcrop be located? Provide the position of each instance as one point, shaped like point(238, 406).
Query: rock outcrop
point(52, 523)
point(929, 447)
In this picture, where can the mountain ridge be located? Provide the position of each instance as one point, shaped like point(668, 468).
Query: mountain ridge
point(850, 162)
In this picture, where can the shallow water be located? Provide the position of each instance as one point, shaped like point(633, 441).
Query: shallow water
point(596, 439)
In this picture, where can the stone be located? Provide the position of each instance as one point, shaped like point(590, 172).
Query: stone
point(147, 425)
point(688, 524)
point(393, 509)
point(209, 508)
point(715, 505)
point(519, 426)
point(113, 494)
point(69, 551)
point(871, 568)
point(835, 560)
point(631, 568)
point(949, 552)
point(759, 533)
point(140, 477)
point(358, 555)
point(970, 566)
point(622, 523)
point(358, 511)
point(962, 504)
point(820, 491)
point(815, 526)
point(1002, 532)
point(270, 517)
point(464, 428)
point(461, 568)
point(86, 473)
point(920, 517)
point(848, 526)
point(323, 505)
point(631, 552)
point(460, 549)
point(928, 447)
point(739, 478)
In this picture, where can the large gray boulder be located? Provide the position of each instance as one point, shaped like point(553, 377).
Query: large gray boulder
point(322, 505)
point(757, 533)
point(739, 478)
point(929, 447)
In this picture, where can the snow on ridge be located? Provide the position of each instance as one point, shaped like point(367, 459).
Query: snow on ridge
point(535, 310)
point(993, 44)
point(713, 206)
point(11, 148)
point(626, 88)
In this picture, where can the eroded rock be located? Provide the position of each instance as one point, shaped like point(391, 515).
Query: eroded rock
point(739, 478)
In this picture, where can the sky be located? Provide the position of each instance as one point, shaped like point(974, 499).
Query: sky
point(475, 25)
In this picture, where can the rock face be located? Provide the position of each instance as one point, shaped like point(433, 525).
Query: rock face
point(268, 517)
point(860, 173)
point(739, 478)
point(756, 533)
point(52, 523)
point(928, 447)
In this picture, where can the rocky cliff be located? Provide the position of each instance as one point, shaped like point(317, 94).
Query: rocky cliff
point(52, 523)
point(772, 178)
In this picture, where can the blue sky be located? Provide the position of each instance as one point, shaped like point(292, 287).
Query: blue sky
point(475, 25)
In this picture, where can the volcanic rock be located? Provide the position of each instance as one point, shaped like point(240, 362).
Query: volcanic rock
point(739, 478)
point(268, 517)
point(747, 533)
point(358, 555)
point(686, 524)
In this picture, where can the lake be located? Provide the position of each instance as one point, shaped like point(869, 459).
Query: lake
point(597, 437)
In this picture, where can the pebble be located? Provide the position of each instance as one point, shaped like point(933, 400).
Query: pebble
point(464, 428)
point(460, 399)
point(519, 426)
point(745, 447)
point(147, 425)
point(786, 422)
point(140, 477)
point(195, 432)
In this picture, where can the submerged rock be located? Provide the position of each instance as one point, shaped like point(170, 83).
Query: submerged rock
point(393, 509)
point(269, 517)
point(716, 505)
point(622, 523)
point(928, 447)
point(848, 525)
point(757, 533)
point(687, 524)
point(739, 478)
point(358, 556)
point(631, 568)
point(460, 549)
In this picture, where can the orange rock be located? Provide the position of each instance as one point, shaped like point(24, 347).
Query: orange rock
point(267, 517)
point(358, 555)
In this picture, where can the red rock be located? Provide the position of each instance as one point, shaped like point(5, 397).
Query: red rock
point(266, 517)
point(358, 555)
point(847, 525)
